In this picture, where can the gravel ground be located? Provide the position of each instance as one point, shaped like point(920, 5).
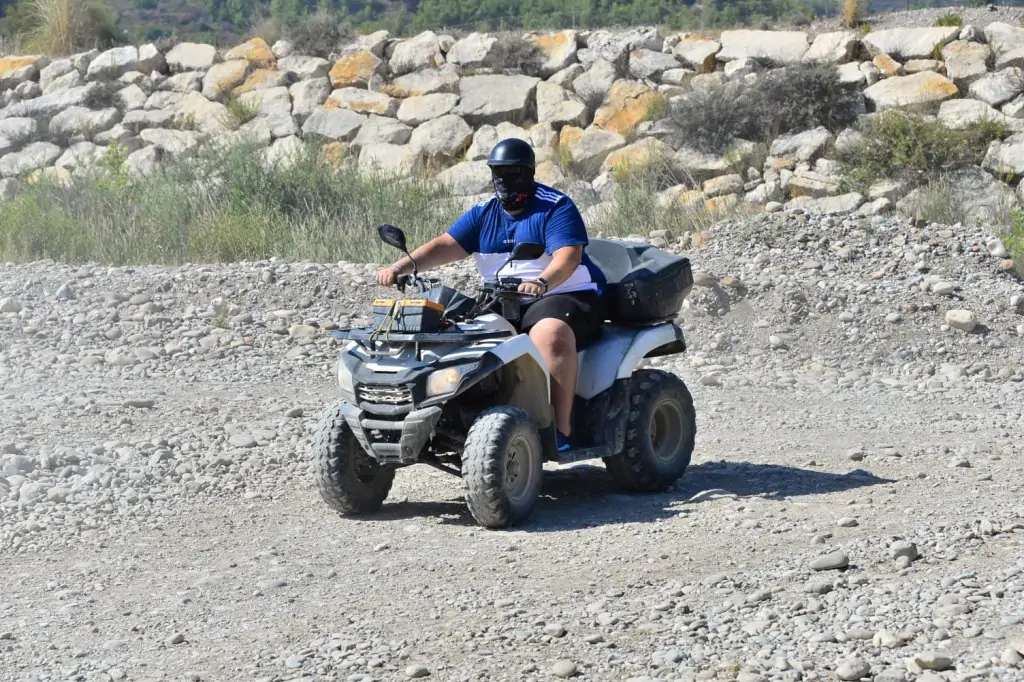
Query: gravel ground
point(854, 510)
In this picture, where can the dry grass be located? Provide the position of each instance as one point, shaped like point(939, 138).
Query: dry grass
point(63, 27)
point(852, 13)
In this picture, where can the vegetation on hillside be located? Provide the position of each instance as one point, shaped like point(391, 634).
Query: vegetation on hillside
point(226, 22)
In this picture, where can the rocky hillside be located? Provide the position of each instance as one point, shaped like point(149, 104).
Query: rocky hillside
point(593, 103)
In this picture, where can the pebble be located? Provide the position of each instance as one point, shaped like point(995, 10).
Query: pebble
point(903, 548)
point(933, 660)
point(416, 671)
point(847, 522)
point(564, 668)
point(962, 319)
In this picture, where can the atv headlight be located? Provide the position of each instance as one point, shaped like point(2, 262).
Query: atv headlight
point(345, 383)
point(447, 380)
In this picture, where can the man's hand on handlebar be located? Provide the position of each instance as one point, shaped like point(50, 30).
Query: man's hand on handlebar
point(531, 289)
point(386, 277)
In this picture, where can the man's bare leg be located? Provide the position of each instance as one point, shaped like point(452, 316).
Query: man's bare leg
point(557, 345)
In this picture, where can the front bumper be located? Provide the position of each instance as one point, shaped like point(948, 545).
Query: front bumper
point(392, 441)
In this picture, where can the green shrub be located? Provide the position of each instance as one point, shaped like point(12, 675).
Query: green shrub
point(949, 19)
point(902, 146)
point(221, 204)
point(780, 101)
point(1014, 239)
point(319, 35)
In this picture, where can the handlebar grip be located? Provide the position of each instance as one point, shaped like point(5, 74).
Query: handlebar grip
point(403, 280)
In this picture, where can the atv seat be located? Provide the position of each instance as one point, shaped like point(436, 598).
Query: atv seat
point(644, 283)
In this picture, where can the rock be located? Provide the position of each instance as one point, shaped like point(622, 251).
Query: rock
point(557, 106)
point(835, 46)
point(224, 77)
point(33, 156)
point(966, 61)
point(426, 82)
point(417, 671)
point(648, 64)
point(964, 320)
point(961, 113)
point(81, 121)
point(49, 105)
point(999, 87)
point(16, 132)
point(853, 669)
point(420, 52)
point(814, 185)
point(363, 101)
point(382, 130)
point(10, 305)
point(832, 561)
point(113, 63)
point(306, 68)
point(401, 159)
point(477, 50)
point(1007, 44)
point(564, 668)
point(491, 99)
point(903, 548)
point(799, 147)
point(356, 69)
point(335, 124)
point(920, 92)
point(779, 47)
point(446, 137)
point(908, 43)
point(723, 185)
point(174, 142)
point(933, 660)
point(255, 51)
point(640, 154)
point(467, 179)
point(589, 150)
point(697, 52)
point(558, 49)
point(839, 204)
point(627, 105)
point(190, 57)
point(307, 96)
point(422, 108)
point(209, 117)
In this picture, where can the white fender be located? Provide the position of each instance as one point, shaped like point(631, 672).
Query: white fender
point(619, 351)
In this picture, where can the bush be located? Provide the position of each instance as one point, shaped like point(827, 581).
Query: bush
point(902, 146)
point(784, 100)
point(1014, 239)
point(319, 35)
point(62, 27)
point(221, 204)
point(949, 19)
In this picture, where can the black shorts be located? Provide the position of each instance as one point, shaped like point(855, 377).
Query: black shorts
point(584, 311)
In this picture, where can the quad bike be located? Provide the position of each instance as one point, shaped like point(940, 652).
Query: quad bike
point(444, 380)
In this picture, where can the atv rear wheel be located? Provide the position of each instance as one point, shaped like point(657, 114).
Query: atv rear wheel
point(349, 480)
point(660, 433)
point(502, 467)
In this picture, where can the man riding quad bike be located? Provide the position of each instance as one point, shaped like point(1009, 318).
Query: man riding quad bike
point(530, 372)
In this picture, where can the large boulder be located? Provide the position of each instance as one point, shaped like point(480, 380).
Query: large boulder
point(1006, 158)
point(191, 57)
point(308, 95)
point(255, 51)
point(477, 50)
point(382, 130)
point(636, 155)
point(274, 105)
point(423, 108)
point(487, 136)
point(444, 138)
point(557, 106)
point(920, 92)
point(594, 84)
point(171, 142)
point(697, 52)
point(335, 124)
point(466, 179)
point(909, 43)
point(114, 63)
point(980, 198)
point(558, 50)
point(998, 87)
point(777, 47)
point(615, 46)
point(363, 101)
point(33, 156)
point(838, 47)
point(51, 104)
point(307, 67)
point(82, 122)
point(588, 150)
point(628, 104)
point(390, 159)
point(648, 64)
point(495, 98)
point(224, 77)
point(966, 61)
point(803, 146)
point(425, 82)
point(19, 69)
point(210, 117)
point(961, 113)
point(17, 132)
point(1007, 43)
point(357, 69)
point(417, 53)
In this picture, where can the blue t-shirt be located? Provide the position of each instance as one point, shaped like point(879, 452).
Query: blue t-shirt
point(551, 218)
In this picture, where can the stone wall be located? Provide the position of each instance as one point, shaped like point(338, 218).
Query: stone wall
point(586, 98)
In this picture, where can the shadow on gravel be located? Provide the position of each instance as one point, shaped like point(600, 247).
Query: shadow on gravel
point(584, 496)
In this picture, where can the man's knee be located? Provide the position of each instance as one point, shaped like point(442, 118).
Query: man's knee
point(555, 335)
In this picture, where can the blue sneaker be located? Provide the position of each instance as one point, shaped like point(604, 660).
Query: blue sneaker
point(563, 442)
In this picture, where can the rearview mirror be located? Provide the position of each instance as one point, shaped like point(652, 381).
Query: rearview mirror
point(392, 236)
point(527, 251)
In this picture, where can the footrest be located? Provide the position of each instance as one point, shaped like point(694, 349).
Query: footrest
point(582, 454)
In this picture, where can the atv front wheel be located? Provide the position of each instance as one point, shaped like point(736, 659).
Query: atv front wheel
point(502, 467)
point(349, 480)
point(660, 433)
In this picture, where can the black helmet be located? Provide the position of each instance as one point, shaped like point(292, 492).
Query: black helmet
point(512, 152)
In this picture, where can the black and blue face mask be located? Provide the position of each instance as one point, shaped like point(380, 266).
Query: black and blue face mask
point(513, 185)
